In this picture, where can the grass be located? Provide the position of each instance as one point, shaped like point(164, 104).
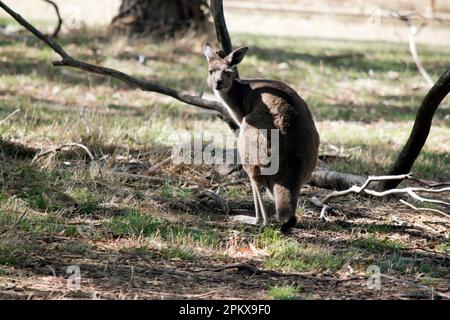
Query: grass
point(373, 244)
point(294, 256)
point(363, 96)
point(286, 292)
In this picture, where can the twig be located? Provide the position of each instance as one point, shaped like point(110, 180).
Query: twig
point(9, 116)
point(413, 31)
point(139, 177)
point(59, 148)
point(158, 165)
point(424, 209)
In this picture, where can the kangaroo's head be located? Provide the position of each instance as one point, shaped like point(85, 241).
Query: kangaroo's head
point(220, 70)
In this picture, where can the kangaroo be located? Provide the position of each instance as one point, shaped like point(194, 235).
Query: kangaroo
point(258, 105)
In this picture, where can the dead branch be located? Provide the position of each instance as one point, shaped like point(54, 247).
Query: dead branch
point(335, 180)
point(411, 191)
point(59, 148)
point(413, 32)
point(60, 21)
point(420, 130)
point(431, 184)
point(145, 85)
point(158, 165)
point(424, 209)
point(68, 145)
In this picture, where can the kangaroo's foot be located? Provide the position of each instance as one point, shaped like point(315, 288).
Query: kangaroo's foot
point(288, 225)
point(248, 220)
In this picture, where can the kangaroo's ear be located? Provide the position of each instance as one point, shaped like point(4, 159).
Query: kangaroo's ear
point(236, 56)
point(209, 52)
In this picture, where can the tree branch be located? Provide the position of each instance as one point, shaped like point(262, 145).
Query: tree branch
point(151, 86)
point(60, 21)
point(420, 130)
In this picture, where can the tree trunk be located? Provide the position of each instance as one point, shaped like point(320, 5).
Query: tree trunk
point(420, 130)
point(158, 17)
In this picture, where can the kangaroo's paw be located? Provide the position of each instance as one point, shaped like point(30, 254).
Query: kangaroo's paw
point(246, 220)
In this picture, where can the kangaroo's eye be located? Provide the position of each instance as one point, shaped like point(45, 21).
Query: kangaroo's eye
point(210, 72)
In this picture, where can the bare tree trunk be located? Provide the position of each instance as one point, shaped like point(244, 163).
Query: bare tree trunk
point(158, 17)
point(420, 131)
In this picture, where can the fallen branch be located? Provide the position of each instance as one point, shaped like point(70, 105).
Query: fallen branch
point(431, 184)
point(60, 21)
point(327, 179)
point(158, 165)
point(145, 85)
point(411, 191)
point(424, 209)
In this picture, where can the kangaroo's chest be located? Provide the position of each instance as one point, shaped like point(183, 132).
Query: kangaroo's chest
point(233, 110)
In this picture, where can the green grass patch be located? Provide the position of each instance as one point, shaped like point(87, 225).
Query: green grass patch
point(374, 244)
point(284, 292)
point(11, 253)
point(291, 255)
point(135, 224)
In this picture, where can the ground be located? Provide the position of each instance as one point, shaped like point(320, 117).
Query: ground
point(163, 235)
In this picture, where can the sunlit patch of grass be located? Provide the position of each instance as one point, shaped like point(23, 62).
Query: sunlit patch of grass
point(291, 255)
point(179, 252)
point(284, 292)
point(135, 224)
point(87, 200)
point(374, 244)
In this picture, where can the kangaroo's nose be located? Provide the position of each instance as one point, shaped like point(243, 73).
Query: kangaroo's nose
point(219, 82)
